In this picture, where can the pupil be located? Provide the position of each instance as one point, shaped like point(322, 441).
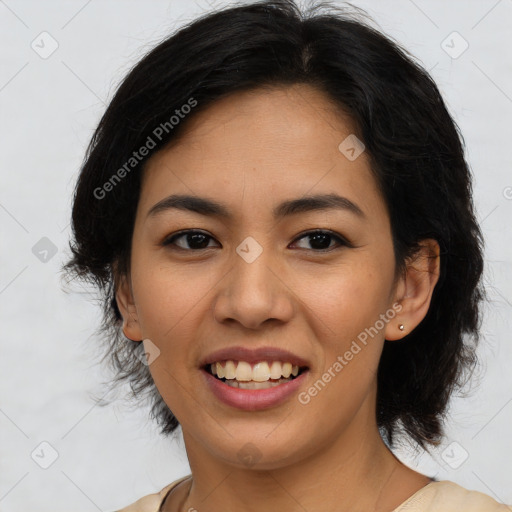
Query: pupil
point(194, 237)
point(320, 236)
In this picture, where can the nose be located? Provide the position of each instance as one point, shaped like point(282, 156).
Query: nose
point(253, 293)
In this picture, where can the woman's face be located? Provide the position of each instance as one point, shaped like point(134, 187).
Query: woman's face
point(252, 282)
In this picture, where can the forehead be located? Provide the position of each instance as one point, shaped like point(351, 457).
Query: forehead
point(261, 144)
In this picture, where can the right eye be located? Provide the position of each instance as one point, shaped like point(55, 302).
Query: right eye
point(196, 240)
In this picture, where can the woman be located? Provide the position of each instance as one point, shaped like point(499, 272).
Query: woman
point(277, 210)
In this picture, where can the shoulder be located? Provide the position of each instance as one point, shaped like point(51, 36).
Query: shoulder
point(152, 502)
point(450, 497)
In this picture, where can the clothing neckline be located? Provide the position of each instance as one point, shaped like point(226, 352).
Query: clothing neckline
point(397, 509)
point(173, 486)
point(416, 495)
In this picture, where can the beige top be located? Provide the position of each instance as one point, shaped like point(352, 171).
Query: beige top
point(444, 496)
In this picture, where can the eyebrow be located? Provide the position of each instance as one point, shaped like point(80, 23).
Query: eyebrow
point(209, 207)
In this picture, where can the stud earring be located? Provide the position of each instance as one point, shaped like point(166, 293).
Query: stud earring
point(401, 327)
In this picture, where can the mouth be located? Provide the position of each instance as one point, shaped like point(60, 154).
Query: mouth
point(260, 375)
point(254, 379)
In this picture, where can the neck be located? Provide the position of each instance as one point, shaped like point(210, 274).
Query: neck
point(356, 473)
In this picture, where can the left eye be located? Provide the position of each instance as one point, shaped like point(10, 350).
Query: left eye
point(320, 240)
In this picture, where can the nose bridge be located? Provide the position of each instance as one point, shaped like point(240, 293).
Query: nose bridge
point(251, 276)
point(252, 291)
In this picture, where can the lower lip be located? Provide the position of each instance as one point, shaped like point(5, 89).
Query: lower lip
point(253, 399)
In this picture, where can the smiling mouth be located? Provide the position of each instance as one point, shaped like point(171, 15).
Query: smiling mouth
point(261, 375)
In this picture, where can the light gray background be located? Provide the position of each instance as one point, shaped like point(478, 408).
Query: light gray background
point(109, 457)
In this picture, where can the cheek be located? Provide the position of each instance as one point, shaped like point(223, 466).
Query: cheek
point(346, 299)
point(345, 307)
point(168, 297)
point(170, 303)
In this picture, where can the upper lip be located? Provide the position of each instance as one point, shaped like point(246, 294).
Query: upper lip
point(253, 355)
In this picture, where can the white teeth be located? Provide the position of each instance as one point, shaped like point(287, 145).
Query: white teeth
point(220, 371)
point(243, 371)
point(230, 370)
point(275, 370)
point(255, 385)
point(287, 370)
point(261, 372)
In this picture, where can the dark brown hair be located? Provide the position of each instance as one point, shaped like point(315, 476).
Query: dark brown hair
point(416, 153)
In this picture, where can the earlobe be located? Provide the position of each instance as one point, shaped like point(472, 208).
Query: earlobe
point(128, 310)
point(414, 292)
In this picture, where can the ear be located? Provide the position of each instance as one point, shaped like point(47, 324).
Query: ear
point(126, 305)
point(415, 288)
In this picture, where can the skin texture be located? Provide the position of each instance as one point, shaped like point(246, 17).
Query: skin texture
point(251, 151)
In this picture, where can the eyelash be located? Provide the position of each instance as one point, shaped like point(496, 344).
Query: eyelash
point(342, 241)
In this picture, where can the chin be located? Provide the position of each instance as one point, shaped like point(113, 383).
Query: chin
point(268, 448)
